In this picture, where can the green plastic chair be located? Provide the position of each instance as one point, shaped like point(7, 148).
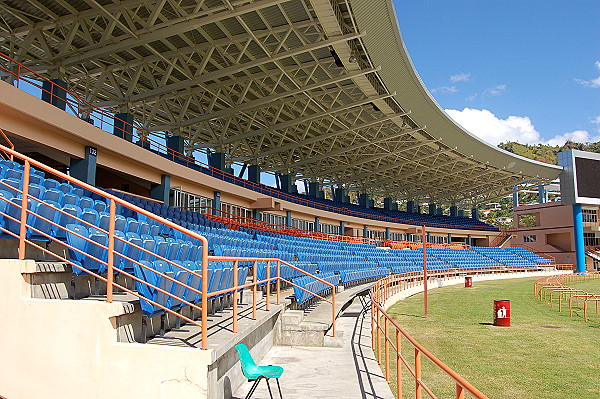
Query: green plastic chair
point(254, 372)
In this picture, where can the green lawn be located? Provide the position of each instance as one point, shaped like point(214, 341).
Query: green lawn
point(545, 354)
point(591, 286)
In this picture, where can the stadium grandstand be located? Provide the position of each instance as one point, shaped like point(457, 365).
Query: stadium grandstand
point(179, 177)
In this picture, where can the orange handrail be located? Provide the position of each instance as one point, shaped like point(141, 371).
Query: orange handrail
point(10, 144)
point(25, 213)
point(545, 287)
point(381, 291)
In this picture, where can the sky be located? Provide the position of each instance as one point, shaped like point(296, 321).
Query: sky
point(506, 70)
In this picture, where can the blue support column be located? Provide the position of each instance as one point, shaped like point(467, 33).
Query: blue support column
point(175, 144)
point(453, 210)
point(387, 203)
point(363, 200)
point(542, 194)
point(449, 238)
point(288, 218)
point(54, 92)
point(254, 173)
point(515, 199)
point(387, 233)
point(123, 126)
point(286, 183)
point(217, 203)
point(313, 189)
point(469, 240)
point(371, 203)
point(256, 214)
point(410, 205)
point(317, 223)
point(394, 206)
point(217, 160)
point(475, 213)
point(342, 227)
point(461, 213)
point(365, 231)
point(85, 169)
point(161, 191)
point(432, 209)
point(579, 240)
point(439, 211)
point(339, 194)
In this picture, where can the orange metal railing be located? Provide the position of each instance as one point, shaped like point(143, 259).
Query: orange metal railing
point(388, 336)
point(553, 289)
point(111, 269)
point(10, 144)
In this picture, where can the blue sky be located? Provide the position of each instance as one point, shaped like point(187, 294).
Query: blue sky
point(526, 71)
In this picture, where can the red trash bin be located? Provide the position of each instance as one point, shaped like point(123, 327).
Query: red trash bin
point(502, 313)
point(468, 281)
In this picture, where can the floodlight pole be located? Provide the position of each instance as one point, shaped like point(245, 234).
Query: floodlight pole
point(425, 298)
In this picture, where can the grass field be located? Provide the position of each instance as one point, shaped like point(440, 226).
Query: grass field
point(544, 354)
point(591, 286)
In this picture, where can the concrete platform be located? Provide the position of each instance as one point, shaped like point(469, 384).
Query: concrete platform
point(348, 372)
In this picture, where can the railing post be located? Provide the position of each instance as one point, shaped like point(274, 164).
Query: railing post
point(333, 311)
point(254, 290)
point(418, 388)
point(460, 392)
point(204, 294)
point(378, 336)
point(387, 351)
point(278, 280)
point(398, 364)
point(235, 295)
point(24, 203)
point(268, 288)
point(111, 251)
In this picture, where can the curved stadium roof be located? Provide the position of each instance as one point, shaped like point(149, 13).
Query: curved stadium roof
point(324, 90)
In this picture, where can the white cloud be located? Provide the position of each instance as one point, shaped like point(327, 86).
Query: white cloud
point(494, 130)
point(460, 77)
point(596, 120)
point(488, 127)
point(494, 91)
point(578, 136)
point(592, 83)
point(445, 90)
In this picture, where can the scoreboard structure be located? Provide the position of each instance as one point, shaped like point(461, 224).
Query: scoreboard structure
point(579, 185)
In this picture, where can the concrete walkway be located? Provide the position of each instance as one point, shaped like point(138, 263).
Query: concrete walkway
point(348, 372)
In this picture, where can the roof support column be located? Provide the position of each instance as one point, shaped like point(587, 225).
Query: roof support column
point(432, 208)
point(542, 194)
point(314, 189)
point(54, 92)
point(515, 199)
point(317, 223)
point(175, 146)
point(161, 191)
point(123, 126)
point(410, 206)
point(363, 200)
point(579, 238)
point(85, 169)
point(254, 173)
point(287, 183)
point(453, 211)
point(475, 213)
point(217, 160)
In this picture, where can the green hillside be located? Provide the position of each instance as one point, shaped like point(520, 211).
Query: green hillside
point(546, 153)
